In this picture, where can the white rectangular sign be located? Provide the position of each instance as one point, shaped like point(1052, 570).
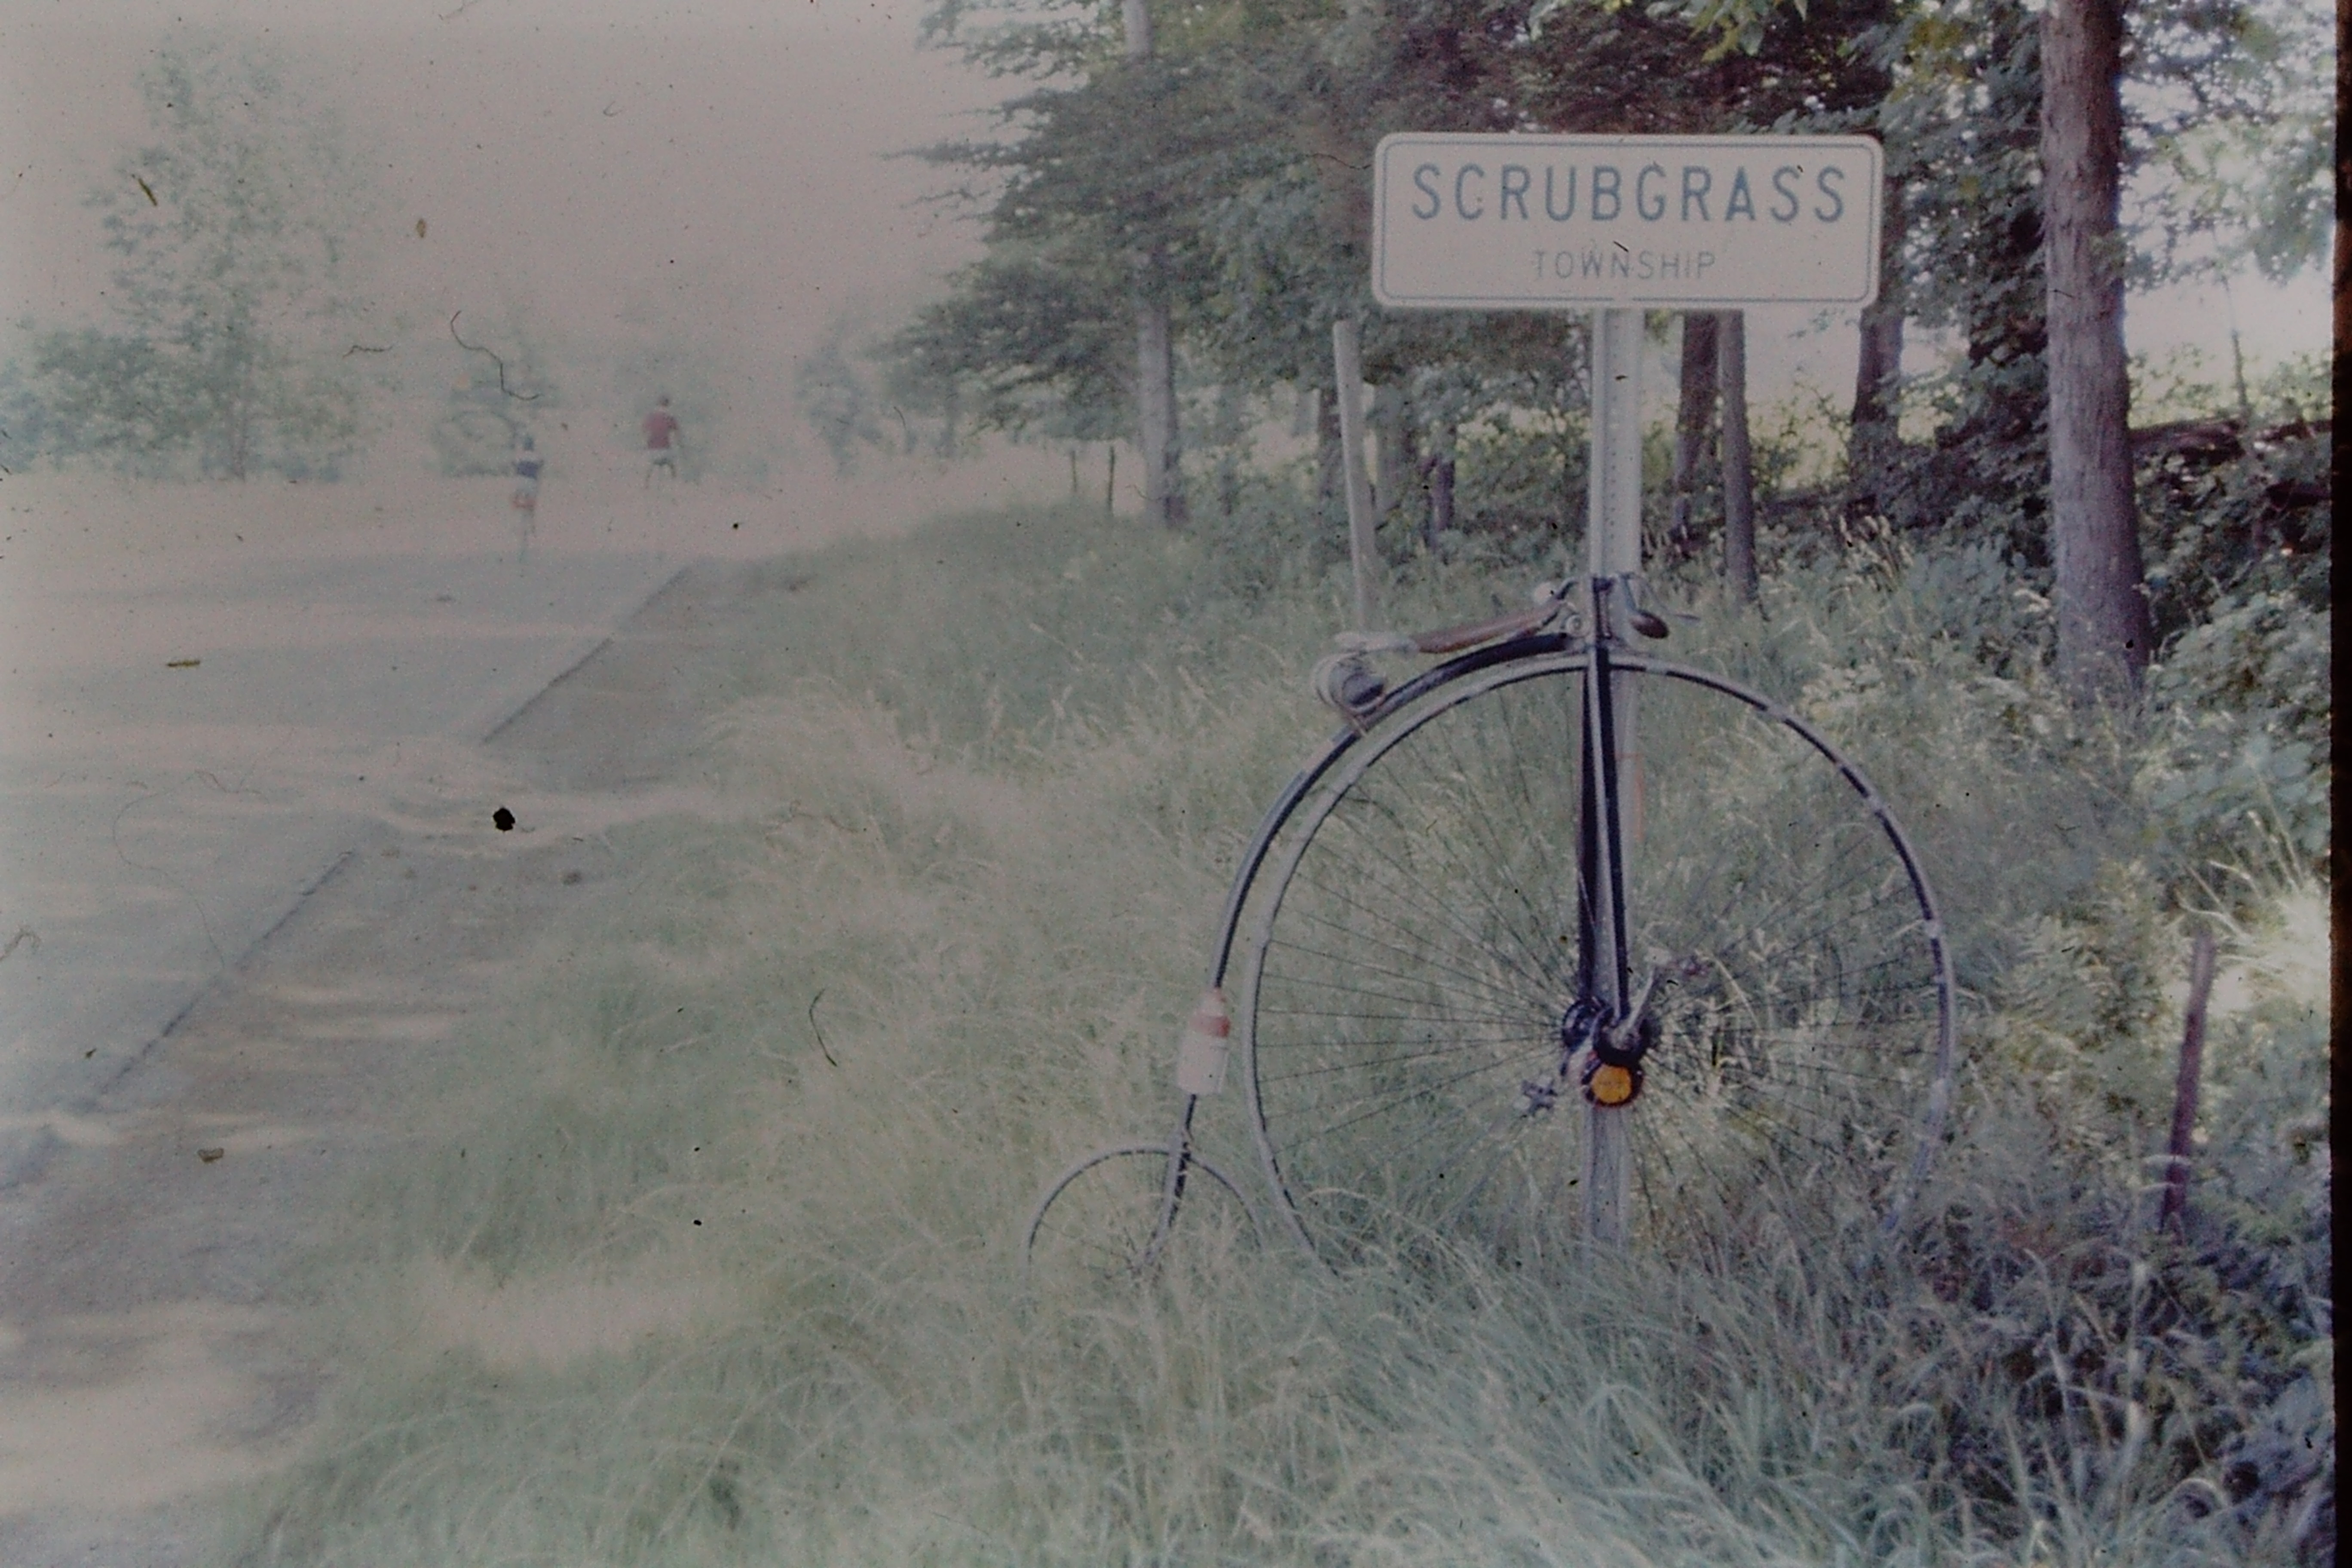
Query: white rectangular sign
point(1465, 222)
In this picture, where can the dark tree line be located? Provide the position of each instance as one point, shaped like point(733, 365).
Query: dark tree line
point(1222, 175)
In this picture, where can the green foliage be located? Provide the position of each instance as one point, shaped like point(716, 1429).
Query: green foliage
point(1032, 333)
point(1238, 154)
point(838, 398)
point(1961, 128)
point(2081, 1003)
point(230, 229)
point(1272, 540)
point(1521, 474)
point(2237, 122)
point(2229, 521)
point(2246, 702)
point(92, 391)
point(501, 386)
point(1960, 121)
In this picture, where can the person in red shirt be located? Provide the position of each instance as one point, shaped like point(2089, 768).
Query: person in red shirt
point(665, 443)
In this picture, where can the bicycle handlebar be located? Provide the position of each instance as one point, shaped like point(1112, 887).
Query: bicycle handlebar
point(1454, 639)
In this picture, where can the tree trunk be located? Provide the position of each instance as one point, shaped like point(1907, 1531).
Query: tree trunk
point(1873, 440)
point(2102, 603)
point(1230, 428)
point(1155, 349)
point(1389, 454)
point(1738, 466)
point(1694, 417)
point(2341, 377)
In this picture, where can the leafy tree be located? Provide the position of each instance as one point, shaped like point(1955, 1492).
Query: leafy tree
point(1239, 150)
point(2235, 128)
point(1161, 442)
point(839, 401)
point(857, 406)
point(501, 386)
point(1960, 124)
point(230, 226)
point(1084, 195)
point(1964, 120)
point(1031, 331)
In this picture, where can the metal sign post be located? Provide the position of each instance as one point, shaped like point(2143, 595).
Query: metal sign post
point(1612, 547)
point(1613, 491)
point(1613, 225)
point(1363, 551)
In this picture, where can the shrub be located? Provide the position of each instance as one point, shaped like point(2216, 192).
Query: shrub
point(2242, 751)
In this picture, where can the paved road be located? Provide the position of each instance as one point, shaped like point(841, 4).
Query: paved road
point(150, 1355)
point(192, 736)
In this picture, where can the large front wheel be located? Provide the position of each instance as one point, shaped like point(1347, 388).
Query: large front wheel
point(1421, 976)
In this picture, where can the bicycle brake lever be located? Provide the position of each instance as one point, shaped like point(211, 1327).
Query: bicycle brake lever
point(1639, 615)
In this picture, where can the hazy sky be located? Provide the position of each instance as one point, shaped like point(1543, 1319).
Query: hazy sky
point(705, 173)
point(708, 173)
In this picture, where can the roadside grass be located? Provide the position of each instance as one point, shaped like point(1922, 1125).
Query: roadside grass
point(714, 1258)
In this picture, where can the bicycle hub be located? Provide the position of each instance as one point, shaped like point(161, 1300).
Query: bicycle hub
point(1612, 1074)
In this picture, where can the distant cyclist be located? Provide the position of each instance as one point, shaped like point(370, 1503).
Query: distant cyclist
point(665, 442)
point(527, 465)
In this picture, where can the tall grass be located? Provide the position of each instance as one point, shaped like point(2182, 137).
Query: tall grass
point(713, 1262)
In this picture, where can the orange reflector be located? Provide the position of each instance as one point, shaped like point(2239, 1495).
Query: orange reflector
point(1610, 1085)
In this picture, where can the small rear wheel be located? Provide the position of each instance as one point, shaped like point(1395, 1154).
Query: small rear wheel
point(1113, 1217)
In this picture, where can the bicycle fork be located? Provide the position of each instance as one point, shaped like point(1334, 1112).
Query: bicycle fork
point(1604, 1032)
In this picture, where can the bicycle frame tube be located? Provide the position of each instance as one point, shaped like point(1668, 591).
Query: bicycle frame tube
point(1171, 1189)
point(1603, 965)
point(1603, 970)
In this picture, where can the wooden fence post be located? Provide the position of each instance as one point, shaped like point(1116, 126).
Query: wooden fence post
point(2169, 1214)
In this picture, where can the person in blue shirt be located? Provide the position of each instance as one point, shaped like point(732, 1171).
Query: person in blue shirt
point(527, 465)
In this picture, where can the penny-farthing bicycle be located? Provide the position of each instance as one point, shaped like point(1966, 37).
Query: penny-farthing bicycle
point(1554, 938)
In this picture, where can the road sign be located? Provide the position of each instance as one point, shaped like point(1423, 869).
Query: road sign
point(1464, 222)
